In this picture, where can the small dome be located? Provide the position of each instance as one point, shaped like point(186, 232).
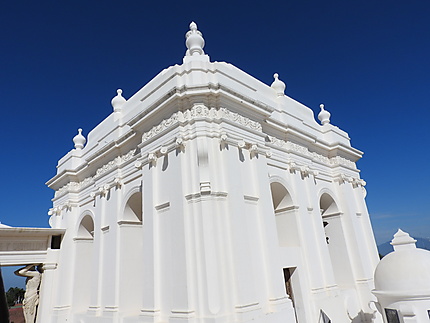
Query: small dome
point(404, 271)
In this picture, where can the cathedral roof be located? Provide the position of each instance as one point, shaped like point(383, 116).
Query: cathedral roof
point(214, 85)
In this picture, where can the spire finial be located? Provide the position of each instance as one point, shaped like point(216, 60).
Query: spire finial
point(79, 140)
point(194, 41)
point(118, 101)
point(278, 85)
point(324, 115)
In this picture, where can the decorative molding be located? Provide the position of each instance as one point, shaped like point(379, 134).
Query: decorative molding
point(183, 314)
point(293, 147)
point(251, 198)
point(355, 181)
point(73, 187)
point(180, 143)
point(162, 206)
point(128, 222)
point(113, 163)
point(57, 210)
point(246, 306)
point(286, 209)
point(83, 238)
point(195, 196)
point(149, 311)
point(152, 158)
point(304, 170)
point(138, 164)
point(237, 118)
point(201, 111)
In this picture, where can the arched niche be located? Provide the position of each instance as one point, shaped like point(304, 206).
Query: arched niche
point(86, 228)
point(285, 215)
point(133, 208)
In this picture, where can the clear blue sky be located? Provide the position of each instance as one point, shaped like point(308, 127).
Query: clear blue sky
point(367, 61)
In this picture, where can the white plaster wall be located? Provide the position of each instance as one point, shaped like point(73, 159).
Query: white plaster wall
point(210, 247)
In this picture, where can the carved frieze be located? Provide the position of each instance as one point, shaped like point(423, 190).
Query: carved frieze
point(77, 186)
point(293, 147)
point(237, 118)
point(161, 127)
point(201, 111)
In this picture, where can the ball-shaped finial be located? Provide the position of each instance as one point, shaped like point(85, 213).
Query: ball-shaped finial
point(79, 140)
point(278, 85)
point(194, 41)
point(118, 101)
point(324, 115)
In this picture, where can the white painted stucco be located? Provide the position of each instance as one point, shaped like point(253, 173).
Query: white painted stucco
point(191, 198)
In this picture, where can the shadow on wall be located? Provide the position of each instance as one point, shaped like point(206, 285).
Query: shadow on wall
point(363, 317)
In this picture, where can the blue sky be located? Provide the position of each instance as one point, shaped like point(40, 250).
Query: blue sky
point(367, 61)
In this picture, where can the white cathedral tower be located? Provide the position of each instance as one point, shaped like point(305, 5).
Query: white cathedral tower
point(210, 197)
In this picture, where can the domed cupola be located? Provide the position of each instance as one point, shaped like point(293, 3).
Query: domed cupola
point(402, 279)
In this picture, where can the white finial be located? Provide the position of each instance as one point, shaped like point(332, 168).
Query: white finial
point(324, 115)
point(194, 41)
point(278, 85)
point(118, 101)
point(402, 240)
point(79, 140)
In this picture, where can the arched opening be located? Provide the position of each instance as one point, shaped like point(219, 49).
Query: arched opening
point(328, 206)
point(285, 215)
point(133, 208)
point(335, 240)
point(130, 235)
point(81, 270)
point(86, 228)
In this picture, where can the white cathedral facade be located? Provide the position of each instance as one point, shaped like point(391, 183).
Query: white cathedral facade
point(209, 197)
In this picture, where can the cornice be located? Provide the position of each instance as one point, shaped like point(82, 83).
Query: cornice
point(200, 111)
point(289, 146)
point(191, 91)
point(76, 186)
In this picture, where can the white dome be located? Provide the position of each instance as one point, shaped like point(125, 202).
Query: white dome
point(405, 271)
